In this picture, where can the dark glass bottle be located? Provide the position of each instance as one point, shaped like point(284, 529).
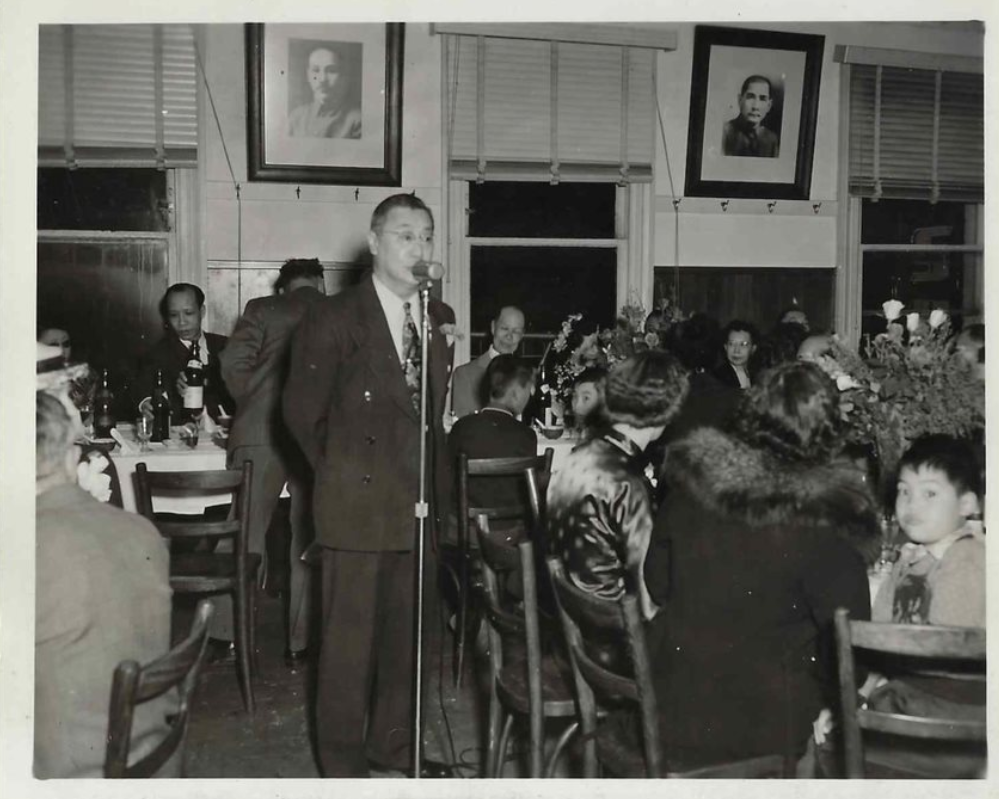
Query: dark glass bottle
point(161, 410)
point(103, 408)
point(194, 394)
point(545, 394)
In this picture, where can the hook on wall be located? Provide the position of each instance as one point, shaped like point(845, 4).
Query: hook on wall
point(357, 194)
point(771, 205)
point(816, 207)
point(298, 192)
point(724, 205)
point(676, 203)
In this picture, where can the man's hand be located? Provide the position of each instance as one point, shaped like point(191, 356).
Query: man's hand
point(822, 726)
point(181, 383)
point(146, 407)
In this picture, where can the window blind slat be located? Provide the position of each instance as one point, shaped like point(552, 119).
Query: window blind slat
point(906, 133)
point(114, 97)
point(520, 103)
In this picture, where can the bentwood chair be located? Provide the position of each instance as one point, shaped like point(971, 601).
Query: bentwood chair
point(525, 681)
point(611, 670)
point(134, 685)
point(230, 570)
point(458, 562)
point(883, 744)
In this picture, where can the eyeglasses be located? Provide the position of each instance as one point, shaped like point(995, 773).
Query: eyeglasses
point(738, 345)
point(408, 237)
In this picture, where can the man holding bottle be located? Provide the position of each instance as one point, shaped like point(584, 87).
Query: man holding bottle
point(183, 312)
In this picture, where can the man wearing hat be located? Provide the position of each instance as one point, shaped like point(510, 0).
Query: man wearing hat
point(254, 367)
point(600, 500)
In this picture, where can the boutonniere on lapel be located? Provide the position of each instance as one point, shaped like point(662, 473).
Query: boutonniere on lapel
point(451, 333)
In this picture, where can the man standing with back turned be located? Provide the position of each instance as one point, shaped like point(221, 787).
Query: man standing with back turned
point(254, 367)
point(352, 403)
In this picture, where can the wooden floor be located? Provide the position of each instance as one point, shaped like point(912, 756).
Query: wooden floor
point(277, 740)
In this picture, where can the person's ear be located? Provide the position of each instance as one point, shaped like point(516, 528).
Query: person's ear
point(202, 311)
point(373, 242)
point(968, 504)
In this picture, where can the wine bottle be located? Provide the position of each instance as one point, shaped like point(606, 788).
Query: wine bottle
point(103, 408)
point(194, 394)
point(161, 410)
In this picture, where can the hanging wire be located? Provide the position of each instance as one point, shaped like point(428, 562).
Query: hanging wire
point(232, 174)
point(675, 201)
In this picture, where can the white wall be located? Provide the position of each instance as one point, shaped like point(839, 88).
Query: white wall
point(747, 233)
point(327, 222)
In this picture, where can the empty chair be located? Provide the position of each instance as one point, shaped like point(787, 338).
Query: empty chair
point(524, 680)
point(611, 670)
point(458, 561)
point(882, 743)
point(133, 685)
point(213, 572)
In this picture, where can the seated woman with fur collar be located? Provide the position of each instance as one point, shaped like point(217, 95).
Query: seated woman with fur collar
point(762, 535)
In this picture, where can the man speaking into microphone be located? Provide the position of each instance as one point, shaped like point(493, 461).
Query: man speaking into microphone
point(352, 401)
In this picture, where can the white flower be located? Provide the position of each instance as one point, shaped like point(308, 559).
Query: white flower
point(937, 318)
point(91, 478)
point(892, 309)
point(844, 382)
point(912, 322)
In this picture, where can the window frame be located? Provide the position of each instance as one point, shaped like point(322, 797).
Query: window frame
point(632, 242)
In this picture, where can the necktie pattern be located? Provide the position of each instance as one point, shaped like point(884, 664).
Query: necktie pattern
point(411, 356)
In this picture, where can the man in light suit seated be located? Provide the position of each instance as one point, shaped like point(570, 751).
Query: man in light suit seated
point(102, 596)
point(467, 393)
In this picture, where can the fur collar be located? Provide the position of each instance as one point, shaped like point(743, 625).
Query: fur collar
point(725, 474)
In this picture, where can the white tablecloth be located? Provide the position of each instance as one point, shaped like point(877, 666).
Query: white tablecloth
point(173, 457)
point(561, 446)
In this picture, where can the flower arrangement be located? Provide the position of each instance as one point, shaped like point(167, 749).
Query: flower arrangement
point(575, 352)
point(909, 383)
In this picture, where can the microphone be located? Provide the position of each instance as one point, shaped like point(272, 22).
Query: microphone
point(428, 270)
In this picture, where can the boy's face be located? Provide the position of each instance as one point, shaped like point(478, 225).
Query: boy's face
point(928, 506)
point(739, 347)
point(585, 398)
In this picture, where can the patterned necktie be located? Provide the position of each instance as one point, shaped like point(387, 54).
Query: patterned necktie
point(411, 356)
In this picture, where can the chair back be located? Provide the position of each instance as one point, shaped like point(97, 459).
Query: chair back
point(150, 484)
point(956, 653)
point(470, 468)
point(593, 628)
point(133, 685)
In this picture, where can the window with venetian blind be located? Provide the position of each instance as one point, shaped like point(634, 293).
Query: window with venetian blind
point(916, 180)
point(117, 94)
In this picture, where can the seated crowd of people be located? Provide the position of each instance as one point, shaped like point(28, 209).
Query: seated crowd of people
point(710, 481)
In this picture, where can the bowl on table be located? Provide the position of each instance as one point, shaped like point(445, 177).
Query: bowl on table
point(552, 433)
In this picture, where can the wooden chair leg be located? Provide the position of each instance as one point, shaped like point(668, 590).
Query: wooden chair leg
point(493, 732)
point(501, 749)
point(243, 667)
point(462, 628)
point(560, 745)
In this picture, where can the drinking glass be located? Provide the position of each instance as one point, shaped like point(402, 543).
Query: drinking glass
point(189, 434)
point(143, 432)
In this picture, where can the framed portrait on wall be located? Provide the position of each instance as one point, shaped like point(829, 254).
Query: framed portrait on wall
point(753, 105)
point(324, 103)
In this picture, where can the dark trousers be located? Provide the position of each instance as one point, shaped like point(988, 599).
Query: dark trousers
point(366, 661)
point(270, 472)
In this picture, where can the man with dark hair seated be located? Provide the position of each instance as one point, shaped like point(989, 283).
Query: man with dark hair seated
point(182, 309)
point(495, 432)
point(102, 596)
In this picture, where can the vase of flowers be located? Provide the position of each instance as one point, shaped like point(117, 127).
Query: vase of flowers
point(908, 382)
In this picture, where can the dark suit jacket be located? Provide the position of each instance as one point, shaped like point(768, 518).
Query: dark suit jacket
point(492, 434)
point(255, 367)
point(466, 394)
point(347, 404)
point(726, 375)
point(170, 355)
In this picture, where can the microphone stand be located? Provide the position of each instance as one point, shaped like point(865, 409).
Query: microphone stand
point(422, 511)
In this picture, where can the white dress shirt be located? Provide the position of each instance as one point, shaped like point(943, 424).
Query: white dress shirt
point(395, 313)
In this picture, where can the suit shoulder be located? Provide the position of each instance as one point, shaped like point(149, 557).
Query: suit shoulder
point(215, 341)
